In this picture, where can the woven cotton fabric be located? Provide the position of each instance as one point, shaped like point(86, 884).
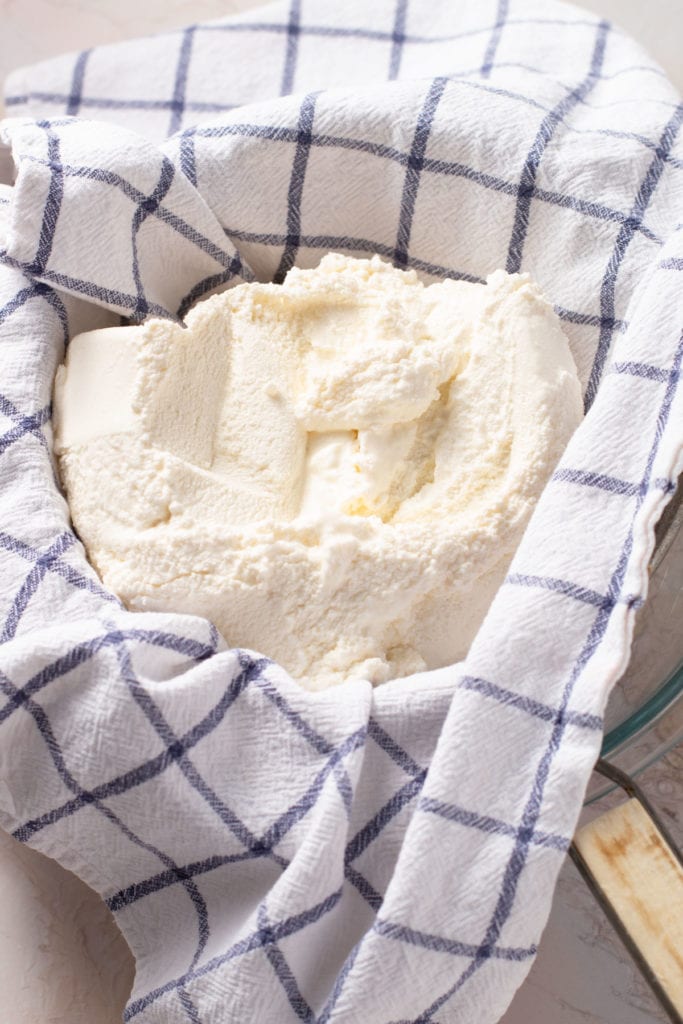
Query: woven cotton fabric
point(389, 855)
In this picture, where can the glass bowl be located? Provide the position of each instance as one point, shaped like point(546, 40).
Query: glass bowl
point(644, 715)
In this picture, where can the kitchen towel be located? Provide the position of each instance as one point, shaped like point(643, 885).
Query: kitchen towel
point(389, 855)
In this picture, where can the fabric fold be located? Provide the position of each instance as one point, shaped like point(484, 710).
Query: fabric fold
point(140, 240)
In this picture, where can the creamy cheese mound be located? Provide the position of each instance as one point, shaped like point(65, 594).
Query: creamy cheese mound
point(335, 470)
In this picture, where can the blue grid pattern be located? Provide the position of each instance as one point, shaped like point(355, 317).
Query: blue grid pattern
point(350, 849)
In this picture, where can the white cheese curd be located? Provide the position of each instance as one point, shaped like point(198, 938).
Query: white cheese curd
point(335, 470)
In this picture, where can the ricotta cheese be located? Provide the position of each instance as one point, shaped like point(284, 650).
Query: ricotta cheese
point(335, 470)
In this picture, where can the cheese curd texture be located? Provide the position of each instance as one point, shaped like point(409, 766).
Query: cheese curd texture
point(335, 470)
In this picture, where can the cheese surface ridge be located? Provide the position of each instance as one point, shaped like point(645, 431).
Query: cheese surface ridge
point(336, 470)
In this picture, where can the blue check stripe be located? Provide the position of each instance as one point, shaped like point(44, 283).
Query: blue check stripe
point(404, 1021)
point(645, 370)
point(371, 896)
point(188, 161)
point(293, 718)
point(23, 425)
point(350, 32)
point(438, 944)
point(485, 823)
point(371, 830)
point(32, 582)
point(398, 38)
point(590, 319)
point(85, 651)
point(543, 137)
point(564, 587)
point(63, 569)
point(356, 846)
point(145, 208)
point(154, 209)
point(147, 770)
point(278, 829)
point(292, 48)
point(414, 167)
point(529, 705)
point(395, 751)
point(17, 301)
point(53, 204)
point(45, 729)
point(88, 289)
point(601, 481)
point(57, 305)
point(167, 735)
point(178, 873)
point(275, 833)
point(189, 1007)
point(296, 187)
point(518, 858)
point(328, 1008)
point(624, 238)
point(353, 245)
point(175, 752)
point(109, 103)
point(180, 84)
point(458, 78)
point(449, 168)
point(282, 970)
point(73, 105)
point(214, 281)
point(318, 742)
point(494, 41)
point(255, 940)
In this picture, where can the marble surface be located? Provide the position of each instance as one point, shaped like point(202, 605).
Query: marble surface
point(62, 959)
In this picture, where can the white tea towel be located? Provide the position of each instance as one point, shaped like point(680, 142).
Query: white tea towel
point(385, 856)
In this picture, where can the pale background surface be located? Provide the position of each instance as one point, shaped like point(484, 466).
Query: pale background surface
point(32, 30)
point(62, 960)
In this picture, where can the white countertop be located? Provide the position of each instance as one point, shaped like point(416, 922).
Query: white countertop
point(62, 960)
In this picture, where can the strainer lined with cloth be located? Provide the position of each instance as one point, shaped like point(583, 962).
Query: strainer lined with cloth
point(386, 855)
